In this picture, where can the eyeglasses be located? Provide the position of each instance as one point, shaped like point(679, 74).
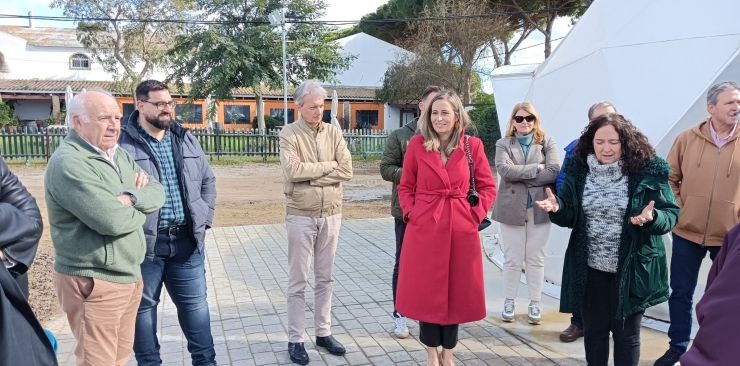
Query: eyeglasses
point(520, 119)
point(161, 105)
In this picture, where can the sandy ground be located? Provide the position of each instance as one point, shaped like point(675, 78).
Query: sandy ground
point(248, 194)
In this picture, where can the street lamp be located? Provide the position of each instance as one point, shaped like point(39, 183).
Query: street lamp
point(278, 17)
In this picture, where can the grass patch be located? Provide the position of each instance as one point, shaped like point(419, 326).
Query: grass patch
point(212, 159)
point(19, 162)
point(239, 160)
point(369, 158)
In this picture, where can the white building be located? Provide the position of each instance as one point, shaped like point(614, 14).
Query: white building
point(46, 53)
point(653, 59)
point(36, 57)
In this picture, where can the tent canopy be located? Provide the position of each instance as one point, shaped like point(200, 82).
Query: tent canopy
point(653, 59)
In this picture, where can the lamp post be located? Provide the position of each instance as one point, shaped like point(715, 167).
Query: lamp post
point(278, 17)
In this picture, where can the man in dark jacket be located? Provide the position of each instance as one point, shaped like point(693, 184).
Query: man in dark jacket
point(175, 235)
point(22, 339)
point(20, 226)
point(390, 169)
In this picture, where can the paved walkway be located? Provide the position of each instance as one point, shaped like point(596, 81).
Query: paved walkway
point(247, 280)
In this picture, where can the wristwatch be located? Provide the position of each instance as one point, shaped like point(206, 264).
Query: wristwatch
point(132, 197)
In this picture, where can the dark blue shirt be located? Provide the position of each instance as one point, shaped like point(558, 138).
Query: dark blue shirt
point(569, 151)
point(173, 211)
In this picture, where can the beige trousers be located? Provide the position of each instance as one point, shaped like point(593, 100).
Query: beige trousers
point(102, 317)
point(524, 245)
point(310, 237)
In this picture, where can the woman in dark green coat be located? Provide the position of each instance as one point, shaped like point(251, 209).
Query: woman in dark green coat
point(617, 199)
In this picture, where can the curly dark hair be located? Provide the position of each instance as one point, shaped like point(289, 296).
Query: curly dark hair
point(637, 152)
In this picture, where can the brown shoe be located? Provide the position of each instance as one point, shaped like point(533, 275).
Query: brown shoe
point(572, 333)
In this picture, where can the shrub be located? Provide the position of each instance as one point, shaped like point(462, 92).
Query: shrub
point(7, 116)
point(270, 122)
point(487, 128)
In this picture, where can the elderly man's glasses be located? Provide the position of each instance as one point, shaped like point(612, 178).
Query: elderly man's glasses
point(520, 119)
point(161, 105)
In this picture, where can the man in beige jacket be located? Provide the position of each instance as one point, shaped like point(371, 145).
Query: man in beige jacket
point(315, 161)
point(705, 171)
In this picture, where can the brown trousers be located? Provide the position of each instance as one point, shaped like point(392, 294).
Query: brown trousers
point(311, 237)
point(102, 316)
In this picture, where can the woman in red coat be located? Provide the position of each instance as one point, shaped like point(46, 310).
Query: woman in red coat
point(440, 282)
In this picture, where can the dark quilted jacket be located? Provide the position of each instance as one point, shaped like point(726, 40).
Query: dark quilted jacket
point(197, 182)
point(642, 270)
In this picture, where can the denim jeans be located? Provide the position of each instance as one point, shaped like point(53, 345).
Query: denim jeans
point(400, 231)
point(685, 264)
point(179, 265)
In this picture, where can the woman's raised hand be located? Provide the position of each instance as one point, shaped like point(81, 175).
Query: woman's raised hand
point(550, 204)
point(645, 217)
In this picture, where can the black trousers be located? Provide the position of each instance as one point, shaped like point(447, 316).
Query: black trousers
point(577, 318)
point(435, 335)
point(599, 310)
point(400, 231)
point(22, 281)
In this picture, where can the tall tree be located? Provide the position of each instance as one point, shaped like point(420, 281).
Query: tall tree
point(241, 49)
point(541, 14)
point(408, 75)
point(516, 29)
point(128, 50)
point(460, 38)
point(394, 32)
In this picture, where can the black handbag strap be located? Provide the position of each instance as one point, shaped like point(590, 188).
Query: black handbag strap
point(470, 164)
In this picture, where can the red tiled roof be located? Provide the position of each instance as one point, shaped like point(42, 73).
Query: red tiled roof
point(58, 87)
point(49, 86)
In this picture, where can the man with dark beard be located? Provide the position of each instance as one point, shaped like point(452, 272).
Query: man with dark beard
point(175, 235)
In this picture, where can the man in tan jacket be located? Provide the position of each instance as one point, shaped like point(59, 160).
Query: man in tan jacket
point(705, 177)
point(315, 161)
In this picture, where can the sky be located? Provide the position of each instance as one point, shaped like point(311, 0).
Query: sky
point(531, 49)
point(337, 10)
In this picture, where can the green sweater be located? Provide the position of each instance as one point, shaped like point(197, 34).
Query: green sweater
point(93, 234)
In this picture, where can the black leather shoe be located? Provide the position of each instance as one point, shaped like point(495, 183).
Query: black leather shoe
point(298, 353)
point(668, 359)
point(331, 345)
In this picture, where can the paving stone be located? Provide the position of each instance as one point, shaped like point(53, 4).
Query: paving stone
point(246, 275)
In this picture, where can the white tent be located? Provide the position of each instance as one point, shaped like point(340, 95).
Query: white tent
point(372, 56)
point(654, 59)
point(68, 95)
point(334, 108)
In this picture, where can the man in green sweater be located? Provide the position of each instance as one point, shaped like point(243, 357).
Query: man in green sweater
point(390, 169)
point(97, 198)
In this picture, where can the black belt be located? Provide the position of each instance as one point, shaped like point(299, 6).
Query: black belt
point(172, 230)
